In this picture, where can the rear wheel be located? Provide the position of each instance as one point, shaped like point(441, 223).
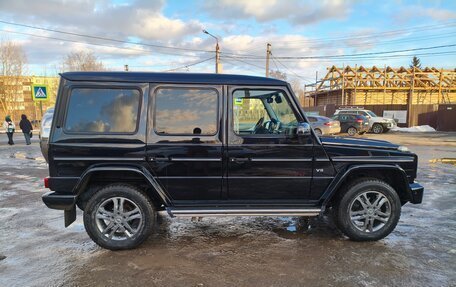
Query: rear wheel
point(318, 132)
point(377, 129)
point(352, 131)
point(119, 217)
point(369, 210)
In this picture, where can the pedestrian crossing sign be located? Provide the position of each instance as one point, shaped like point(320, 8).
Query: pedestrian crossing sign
point(39, 93)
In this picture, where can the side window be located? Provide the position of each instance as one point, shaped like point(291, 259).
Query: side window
point(312, 119)
point(98, 110)
point(186, 111)
point(262, 112)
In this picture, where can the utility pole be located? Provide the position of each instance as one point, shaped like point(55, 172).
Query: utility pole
point(268, 53)
point(126, 68)
point(217, 52)
point(316, 88)
point(217, 58)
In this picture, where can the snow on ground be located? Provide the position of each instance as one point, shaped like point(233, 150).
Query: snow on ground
point(415, 129)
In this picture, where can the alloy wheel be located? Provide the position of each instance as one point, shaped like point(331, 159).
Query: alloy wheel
point(370, 211)
point(118, 218)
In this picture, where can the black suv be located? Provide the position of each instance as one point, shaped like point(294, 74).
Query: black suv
point(125, 145)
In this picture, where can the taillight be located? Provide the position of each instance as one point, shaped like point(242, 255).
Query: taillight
point(359, 120)
point(328, 123)
point(46, 182)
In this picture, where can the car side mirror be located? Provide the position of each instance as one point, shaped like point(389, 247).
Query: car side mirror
point(303, 129)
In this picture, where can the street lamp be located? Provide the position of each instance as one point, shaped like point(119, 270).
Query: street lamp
point(217, 51)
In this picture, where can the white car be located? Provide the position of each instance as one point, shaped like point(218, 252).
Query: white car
point(46, 122)
point(377, 124)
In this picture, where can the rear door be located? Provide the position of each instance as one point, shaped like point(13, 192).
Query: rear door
point(184, 141)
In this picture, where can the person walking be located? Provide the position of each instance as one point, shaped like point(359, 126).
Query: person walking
point(26, 127)
point(9, 126)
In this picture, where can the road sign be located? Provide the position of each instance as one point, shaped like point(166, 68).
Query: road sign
point(40, 93)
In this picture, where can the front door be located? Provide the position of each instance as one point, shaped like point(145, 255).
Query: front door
point(267, 161)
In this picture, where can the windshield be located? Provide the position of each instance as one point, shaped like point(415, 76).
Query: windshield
point(46, 123)
point(371, 113)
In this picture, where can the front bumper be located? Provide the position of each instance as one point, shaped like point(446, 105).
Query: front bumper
point(416, 193)
point(60, 201)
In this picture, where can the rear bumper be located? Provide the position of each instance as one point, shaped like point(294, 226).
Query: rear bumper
point(416, 192)
point(60, 201)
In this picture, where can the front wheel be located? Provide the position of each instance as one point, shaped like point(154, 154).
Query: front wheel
point(377, 129)
point(369, 210)
point(119, 217)
point(352, 131)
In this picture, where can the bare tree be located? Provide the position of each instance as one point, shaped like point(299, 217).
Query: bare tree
point(277, 74)
point(13, 67)
point(82, 61)
point(13, 59)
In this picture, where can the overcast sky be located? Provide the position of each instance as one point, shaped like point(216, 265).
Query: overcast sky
point(294, 28)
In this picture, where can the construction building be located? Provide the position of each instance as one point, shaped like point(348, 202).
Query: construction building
point(16, 96)
point(414, 90)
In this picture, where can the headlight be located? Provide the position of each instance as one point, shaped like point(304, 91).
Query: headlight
point(402, 148)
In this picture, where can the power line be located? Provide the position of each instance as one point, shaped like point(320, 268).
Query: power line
point(106, 39)
point(287, 69)
point(189, 65)
point(239, 60)
point(94, 44)
point(375, 35)
point(352, 55)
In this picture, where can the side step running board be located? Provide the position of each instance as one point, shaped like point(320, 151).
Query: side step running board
point(179, 212)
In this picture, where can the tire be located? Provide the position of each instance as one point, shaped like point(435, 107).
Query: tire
point(121, 233)
point(361, 222)
point(352, 131)
point(318, 132)
point(377, 129)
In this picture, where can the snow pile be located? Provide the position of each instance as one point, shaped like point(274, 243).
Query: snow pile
point(415, 129)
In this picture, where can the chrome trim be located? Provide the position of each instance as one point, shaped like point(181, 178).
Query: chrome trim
point(281, 159)
point(189, 177)
point(194, 159)
point(101, 158)
point(244, 212)
point(322, 159)
point(267, 177)
point(358, 145)
point(391, 159)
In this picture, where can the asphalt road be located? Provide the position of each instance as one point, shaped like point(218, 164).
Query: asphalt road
point(36, 249)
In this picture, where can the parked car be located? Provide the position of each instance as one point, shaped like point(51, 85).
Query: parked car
point(324, 125)
point(124, 145)
point(45, 129)
point(377, 124)
point(352, 124)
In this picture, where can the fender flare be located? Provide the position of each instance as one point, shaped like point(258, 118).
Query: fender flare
point(332, 188)
point(85, 177)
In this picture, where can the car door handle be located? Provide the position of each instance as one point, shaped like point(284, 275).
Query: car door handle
point(159, 158)
point(240, 159)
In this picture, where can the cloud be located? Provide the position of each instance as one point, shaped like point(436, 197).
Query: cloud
point(141, 19)
point(295, 11)
point(414, 11)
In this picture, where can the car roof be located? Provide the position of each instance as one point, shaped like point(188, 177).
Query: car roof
point(184, 78)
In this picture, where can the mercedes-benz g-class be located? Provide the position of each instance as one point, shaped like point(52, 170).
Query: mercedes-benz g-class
point(125, 145)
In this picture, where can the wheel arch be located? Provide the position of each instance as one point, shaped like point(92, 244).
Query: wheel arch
point(393, 175)
point(120, 174)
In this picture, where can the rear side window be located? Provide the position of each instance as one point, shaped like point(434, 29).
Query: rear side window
point(96, 110)
point(186, 111)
